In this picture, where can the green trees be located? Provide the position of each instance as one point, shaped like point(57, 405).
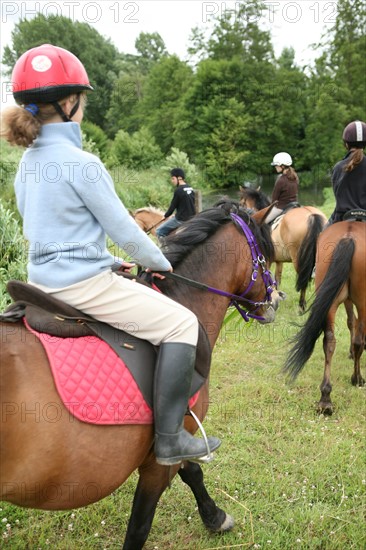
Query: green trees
point(242, 106)
point(212, 122)
point(232, 110)
point(167, 82)
point(347, 55)
point(336, 88)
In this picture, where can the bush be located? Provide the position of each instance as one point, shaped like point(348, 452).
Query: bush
point(10, 158)
point(138, 151)
point(96, 135)
point(13, 252)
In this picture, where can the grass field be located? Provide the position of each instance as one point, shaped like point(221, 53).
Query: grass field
point(291, 478)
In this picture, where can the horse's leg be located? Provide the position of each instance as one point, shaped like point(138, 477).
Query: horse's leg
point(153, 480)
point(302, 299)
point(295, 262)
point(325, 405)
point(358, 347)
point(278, 273)
point(213, 517)
point(350, 324)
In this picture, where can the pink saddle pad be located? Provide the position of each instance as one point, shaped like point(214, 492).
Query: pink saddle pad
point(93, 382)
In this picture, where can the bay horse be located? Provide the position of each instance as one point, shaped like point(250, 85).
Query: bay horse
point(148, 218)
point(294, 235)
point(69, 464)
point(340, 277)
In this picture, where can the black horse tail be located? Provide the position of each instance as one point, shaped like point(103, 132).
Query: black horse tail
point(307, 252)
point(337, 274)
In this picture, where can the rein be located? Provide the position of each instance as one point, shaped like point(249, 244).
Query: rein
point(237, 300)
point(155, 224)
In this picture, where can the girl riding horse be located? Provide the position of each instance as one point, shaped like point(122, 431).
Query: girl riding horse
point(68, 204)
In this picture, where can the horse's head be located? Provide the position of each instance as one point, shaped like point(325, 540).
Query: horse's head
point(224, 246)
point(253, 199)
point(277, 295)
point(148, 218)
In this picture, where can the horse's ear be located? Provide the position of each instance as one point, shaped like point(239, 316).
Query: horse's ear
point(260, 216)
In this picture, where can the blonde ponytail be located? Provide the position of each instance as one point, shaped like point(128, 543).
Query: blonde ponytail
point(19, 126)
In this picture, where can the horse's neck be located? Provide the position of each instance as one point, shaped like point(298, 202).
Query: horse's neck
point(218, 265)
point(209, 309)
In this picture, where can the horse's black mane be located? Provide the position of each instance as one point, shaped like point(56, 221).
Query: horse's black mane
point(199, 228)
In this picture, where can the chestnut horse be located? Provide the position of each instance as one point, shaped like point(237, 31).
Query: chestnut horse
point(294, 236)
point(340, 277)
point(148, 218)
point(68, 464)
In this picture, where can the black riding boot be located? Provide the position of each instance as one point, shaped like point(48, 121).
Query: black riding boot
point(172, 383)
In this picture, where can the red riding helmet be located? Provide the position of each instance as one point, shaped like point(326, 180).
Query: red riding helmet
point(355, 133)
point(46, 74)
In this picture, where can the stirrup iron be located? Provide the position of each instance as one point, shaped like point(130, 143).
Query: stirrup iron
point(210, 456)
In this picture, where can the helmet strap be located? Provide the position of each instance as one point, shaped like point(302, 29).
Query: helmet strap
point(61, 112)
point(75, 107)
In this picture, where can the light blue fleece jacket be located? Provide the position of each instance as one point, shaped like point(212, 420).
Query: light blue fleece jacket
point(69, 205)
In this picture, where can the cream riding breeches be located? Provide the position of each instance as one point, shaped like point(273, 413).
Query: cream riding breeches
point(130, 306)
point(273, 214)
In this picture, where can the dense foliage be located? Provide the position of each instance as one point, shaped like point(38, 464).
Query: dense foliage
point(232, 108)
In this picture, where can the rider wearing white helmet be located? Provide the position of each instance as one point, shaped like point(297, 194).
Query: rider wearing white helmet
point(349, 174)
point(286, 187)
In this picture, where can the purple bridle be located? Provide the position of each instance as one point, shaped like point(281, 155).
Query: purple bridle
point(259, 262)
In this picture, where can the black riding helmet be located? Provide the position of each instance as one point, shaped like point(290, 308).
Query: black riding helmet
point(177, 173)
point(354, 134)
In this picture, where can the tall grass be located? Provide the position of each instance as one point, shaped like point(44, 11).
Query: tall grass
point(13, 252)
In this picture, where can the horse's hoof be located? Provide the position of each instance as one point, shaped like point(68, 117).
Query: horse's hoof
point(226, 525)
point(325, 408)
point(357, 381)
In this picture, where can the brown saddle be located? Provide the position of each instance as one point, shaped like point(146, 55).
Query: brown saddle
point(47, 314)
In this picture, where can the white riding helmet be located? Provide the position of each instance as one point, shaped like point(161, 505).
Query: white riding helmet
point(282, 159)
